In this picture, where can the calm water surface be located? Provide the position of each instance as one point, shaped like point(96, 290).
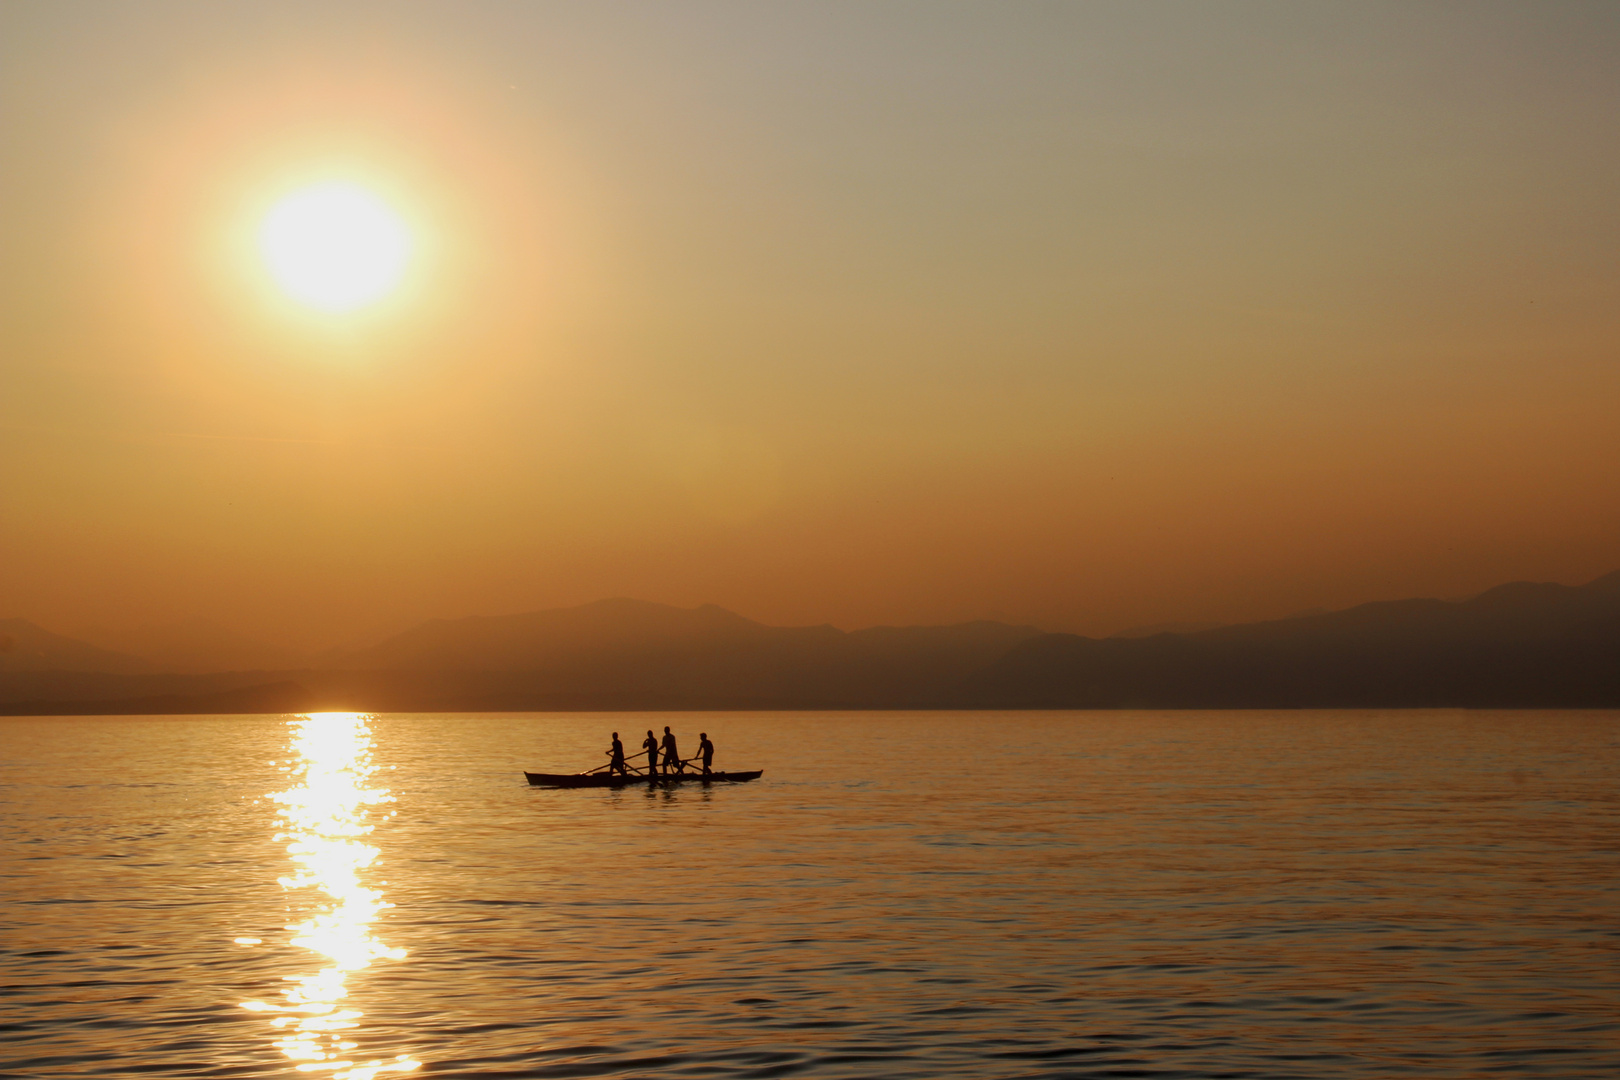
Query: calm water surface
point(1268, 895)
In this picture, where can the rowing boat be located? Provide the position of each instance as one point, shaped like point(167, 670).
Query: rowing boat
point(571, 780)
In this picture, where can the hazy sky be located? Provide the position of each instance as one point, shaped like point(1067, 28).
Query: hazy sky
point(1080, 314)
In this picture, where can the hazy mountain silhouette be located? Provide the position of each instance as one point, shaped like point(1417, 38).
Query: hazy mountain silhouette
point(1152, 629)
point(1532, 645)
point(194, 646)
point(26, 647)
point(1516, 645)
point(541, 640)
point(279, 697)
point(634, 654)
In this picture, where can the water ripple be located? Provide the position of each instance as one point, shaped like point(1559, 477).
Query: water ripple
point(1327, 895)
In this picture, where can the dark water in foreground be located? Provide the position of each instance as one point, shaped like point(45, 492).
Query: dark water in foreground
point(953, 895)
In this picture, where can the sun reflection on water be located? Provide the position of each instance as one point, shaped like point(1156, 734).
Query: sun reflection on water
point(323, 821)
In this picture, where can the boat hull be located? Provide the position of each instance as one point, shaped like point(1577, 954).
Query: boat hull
point(594, 780)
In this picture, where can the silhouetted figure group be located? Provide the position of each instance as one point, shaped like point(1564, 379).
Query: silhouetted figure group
point(670, 761)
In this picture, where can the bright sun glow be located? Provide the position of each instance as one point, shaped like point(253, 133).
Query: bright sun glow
point(335, 247)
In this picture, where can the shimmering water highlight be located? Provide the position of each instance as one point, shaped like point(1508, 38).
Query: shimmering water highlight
point(323, 819)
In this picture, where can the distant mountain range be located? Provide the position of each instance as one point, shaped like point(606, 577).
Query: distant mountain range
point(194, 646)
point(1518, 645)
point(25, 647)
point(1529, 645)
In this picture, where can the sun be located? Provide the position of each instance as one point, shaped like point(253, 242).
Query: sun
point(335, 247)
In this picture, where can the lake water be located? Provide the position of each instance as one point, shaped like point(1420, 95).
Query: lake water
point(1268, 895)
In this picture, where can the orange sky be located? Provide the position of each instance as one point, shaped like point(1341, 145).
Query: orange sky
point(1083, 315)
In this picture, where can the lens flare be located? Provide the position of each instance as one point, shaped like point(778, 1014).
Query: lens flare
point(323, 820)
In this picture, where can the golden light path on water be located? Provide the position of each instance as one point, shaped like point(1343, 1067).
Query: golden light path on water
point(323, 820)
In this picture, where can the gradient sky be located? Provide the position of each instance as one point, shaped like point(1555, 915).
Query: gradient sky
point(1086, 315)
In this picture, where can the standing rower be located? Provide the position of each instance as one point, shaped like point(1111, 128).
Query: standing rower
point(705, 751)
point(650, 744)
point(616, 758)
point(670, 753)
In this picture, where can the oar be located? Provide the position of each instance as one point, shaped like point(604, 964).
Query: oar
point(635, 769)
point(609, 765)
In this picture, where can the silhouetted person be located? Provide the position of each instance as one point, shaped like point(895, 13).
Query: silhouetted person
point(705, 751)
point(650, 744)
point(671, 755)
point(616, 758)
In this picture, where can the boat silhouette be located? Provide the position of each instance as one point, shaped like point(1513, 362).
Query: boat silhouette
point(616, 780)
